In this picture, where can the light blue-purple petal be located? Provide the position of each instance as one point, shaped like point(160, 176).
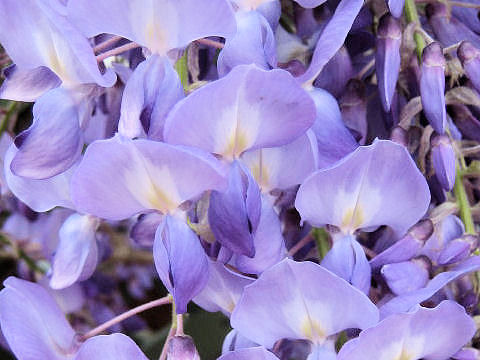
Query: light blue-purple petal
point(110, 347)
point(253, 43)
point(248, 109)
point(332, 37)
point(119, 177)
point(54, 141)
point(27, 85)
point(408, 301)
point(180, 261)
point(32, 322)
point(311, 303)
point(150, 93)
point(76, 256)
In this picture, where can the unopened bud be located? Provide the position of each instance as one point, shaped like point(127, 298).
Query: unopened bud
point(443, 160)
point(182, 348)
point(387, 58)
point(469, 56)
point(432, 86)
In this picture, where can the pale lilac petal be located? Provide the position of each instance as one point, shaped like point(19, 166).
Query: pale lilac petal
point(375, 185)
point(255, 353)
point(119, 177)
point(409, 300)
point(53, 142)
point(329, 125)
point(310, 303)
point(32, 322)
point(180, 260)
point(149, 95)
point(405, 248)
point(157, 25)
point(143, 232)
point(234, 214)
point(44, 37)
point(110, 347)
point(39, 195)
point(27, 85)
point(332, 37)
point(234, 341)
point(404, 277)
point(279, 168)
point(77, 254)
point(434, 334)
point(447, 230)
point(308, 4)
point(248, 109)
point(268, 242)
point(348, 260)
point(254, 43)
point(323, 352)
point(223, 289)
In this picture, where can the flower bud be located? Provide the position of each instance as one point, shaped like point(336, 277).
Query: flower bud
point(448, 29)
point(469, 55)
point(432, 86)
point(396, 7)
point(468, 124)
point(457, 250)
point(443, 160)
point(387, 58)
point(182, 348)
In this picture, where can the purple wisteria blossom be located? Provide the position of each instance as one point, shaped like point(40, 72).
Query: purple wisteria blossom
point(239, 179)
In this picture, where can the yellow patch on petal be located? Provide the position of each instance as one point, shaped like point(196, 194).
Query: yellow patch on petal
point(260, 173)
point(313, 331)
point(254, 4)
point(352, 219)
point(404, 356)
point(236, 145)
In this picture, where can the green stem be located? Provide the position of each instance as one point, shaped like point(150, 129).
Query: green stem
point(8, 114)
point(182, 69)
point(321, 241)
point(32, 264)
point(462, 201)
point(412, 16)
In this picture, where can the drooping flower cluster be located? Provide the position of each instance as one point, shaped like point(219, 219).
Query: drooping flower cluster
point(296, 165)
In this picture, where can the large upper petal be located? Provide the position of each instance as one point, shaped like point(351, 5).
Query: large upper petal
point(310, 303)
point(42, 36)
point(160, 25)
point(248, 109)
point(119, 177)
point(373, 186)
point(32, 322)
point(433, 334)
